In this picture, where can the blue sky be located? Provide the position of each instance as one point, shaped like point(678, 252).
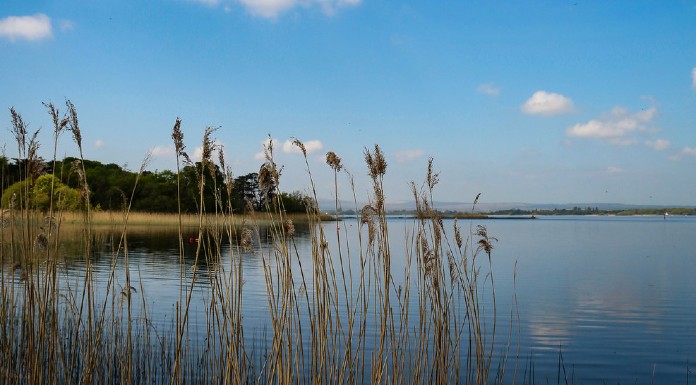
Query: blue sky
point(535, 101)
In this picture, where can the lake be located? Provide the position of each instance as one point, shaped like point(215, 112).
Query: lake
point(615, 295)
point(605, 299)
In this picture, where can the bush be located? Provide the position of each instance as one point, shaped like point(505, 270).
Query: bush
point(64, 197)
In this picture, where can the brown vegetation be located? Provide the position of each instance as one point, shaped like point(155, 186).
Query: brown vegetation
point(361, 324)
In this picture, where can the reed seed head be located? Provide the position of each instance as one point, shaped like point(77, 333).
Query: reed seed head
point(76, 167)
point(19, 128)
point(376, 162)
point(457, 234)
point(247, 239)
point(334, 161)
point(433, 177)
point(371, 233)
point(208, 147)
point(178, 137)
point(73, 124)
point(58, 123)
point(473, 207)
point(35, 163)
point(367, 213)
point(41, 242)
point(229, 180)
point(221, 156)
point(268, 149)
point(289, 228)
point(301, 146)
point(486, 245)
point(269, 177)
point(485, 241)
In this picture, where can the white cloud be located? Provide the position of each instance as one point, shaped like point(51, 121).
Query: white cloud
point(659, 144)
point(265, 144)
point(617, 126)
point(310, 145)
point(163, 151)
point(273, 8)
point(268, 8)
point(691, 151)
point(693, 77)
point(614, 170)
point(98, 143)
point(408, 155)
point(34, 27)
point(197, 154)
point(489, 89)
point(547, 103)
point(210, 3)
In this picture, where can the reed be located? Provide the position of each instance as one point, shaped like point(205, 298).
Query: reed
point(106, 219)
point(343, 314)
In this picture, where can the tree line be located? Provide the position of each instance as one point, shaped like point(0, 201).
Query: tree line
point(111, 188)
point(597, 211)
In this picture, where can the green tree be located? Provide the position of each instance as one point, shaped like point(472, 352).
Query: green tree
point(247, 188)
point(40, 197)
point(295, 202)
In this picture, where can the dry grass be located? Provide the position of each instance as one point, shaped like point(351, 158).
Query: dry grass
point(346, 318)
point(144, 219)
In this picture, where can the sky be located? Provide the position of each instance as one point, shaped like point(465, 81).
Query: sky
point(522, 101)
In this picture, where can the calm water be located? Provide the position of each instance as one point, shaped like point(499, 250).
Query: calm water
point(615, 297)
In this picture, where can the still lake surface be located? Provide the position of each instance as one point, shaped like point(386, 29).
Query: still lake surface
point(614, 298)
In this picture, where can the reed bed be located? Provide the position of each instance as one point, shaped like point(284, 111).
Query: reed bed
point(145, 219)
point(340, 315)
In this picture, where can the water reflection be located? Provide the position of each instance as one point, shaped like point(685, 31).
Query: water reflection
point(614, 295)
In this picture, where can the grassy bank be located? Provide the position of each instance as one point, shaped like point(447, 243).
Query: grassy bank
point(141, 219)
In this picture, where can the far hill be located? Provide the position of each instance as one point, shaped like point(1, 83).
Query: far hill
point(509, 207)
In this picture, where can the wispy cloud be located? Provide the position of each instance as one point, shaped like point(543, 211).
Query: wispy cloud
point(659, 144)
point(163, 151)
point(271, 9)
point(693, 77)
point(36, 27)
point(686, 151)
point(691, 151)
point(618, 127)
point(98, 143)
point(209, 3)
point(310, 145)
point(614, 170)
point(268, 8)
point(65, 25)
point(547, 103)
point(408, 155)
point(489, 89)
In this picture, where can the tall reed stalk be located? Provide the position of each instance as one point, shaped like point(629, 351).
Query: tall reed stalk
point(341, 312)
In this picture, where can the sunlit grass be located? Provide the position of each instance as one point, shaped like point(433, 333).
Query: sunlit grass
point(142, 220)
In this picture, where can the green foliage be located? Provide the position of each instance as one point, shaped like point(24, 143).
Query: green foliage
point(111, 187)
point(11, 196)
point(40, 197)
point(295, 202)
